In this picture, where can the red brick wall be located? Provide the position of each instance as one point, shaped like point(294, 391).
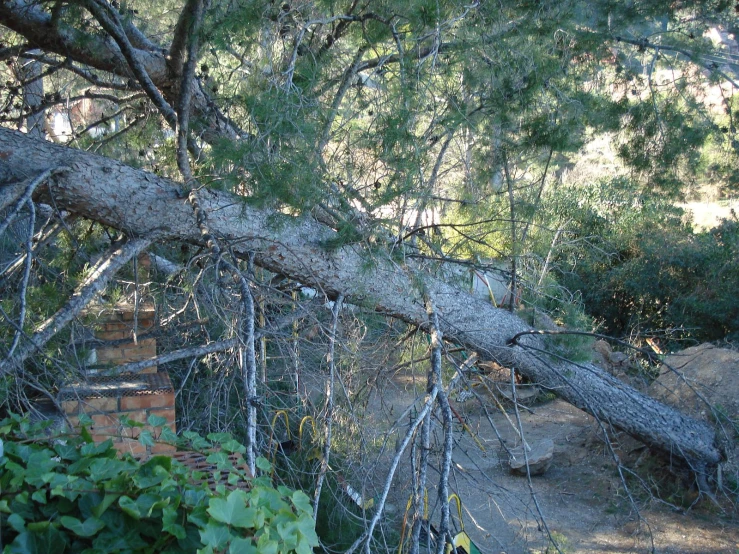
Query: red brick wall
point(124, 322)
point(107, 411)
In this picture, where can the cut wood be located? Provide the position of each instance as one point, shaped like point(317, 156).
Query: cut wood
point(144, 204)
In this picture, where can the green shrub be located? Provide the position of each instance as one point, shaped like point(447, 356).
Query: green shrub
point(646, 271)
point(64, 493)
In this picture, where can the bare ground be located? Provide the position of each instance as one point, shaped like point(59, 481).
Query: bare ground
point(580, 499)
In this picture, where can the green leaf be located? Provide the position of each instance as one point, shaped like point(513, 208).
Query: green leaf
point(215, 535)
point(156, 420)
point(90, 527)
point(220, 459)
point(103, 469)
point(146, 438)
point(147, 503)
point(219, 437)
point(233, 446)
point(108, 499)
point(38, 526)
point(130, 423)
point(302, 502)
point(68, 452)
point(263, 464)
point(289, 533)
point(153, 472)
point(265, 545)
point(242, 546)
point(92, 449)
point(170, 523)
point(130, 507)
point(39, 496)
point(232, 510)
point(17, 523)
point(307, 527)
point(40, 468)
point(48, 541)
point(167, 435)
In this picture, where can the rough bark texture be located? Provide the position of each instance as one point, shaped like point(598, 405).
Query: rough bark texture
point(141, 203)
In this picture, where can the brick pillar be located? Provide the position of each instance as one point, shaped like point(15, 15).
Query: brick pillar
point(108, 399)
point(121, 322)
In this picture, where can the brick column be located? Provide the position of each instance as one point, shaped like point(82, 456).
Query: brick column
point(108, 399)
point(125, 322)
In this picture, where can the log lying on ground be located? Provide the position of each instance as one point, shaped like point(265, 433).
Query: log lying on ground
point(142, 204)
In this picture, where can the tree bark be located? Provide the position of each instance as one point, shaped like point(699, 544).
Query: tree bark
point(135, 201)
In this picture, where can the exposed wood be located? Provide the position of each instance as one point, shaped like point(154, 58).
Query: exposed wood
point(132, 200)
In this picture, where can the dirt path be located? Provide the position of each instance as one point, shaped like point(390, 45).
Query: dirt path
point(581, 496)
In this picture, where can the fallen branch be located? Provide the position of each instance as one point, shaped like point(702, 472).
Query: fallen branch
point(100, 275)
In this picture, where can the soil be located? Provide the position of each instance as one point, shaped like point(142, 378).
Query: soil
point(581, 499)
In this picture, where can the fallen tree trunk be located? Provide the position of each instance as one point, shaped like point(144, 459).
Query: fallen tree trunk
point(143, 204)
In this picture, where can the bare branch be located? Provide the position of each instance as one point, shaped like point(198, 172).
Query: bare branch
point(25, 191)
point(100, 275)
point(335, 311)
point(110, 21)
point(367, 535)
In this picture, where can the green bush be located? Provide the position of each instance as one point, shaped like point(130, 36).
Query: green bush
point(63, 493)
point(644, 270)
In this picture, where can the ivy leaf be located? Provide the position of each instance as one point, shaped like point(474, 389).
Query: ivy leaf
point(302, 502)
point(90, 527)
point(289, 533)
point(40, 468)
point(265, 545)
point(242, 546)
point(17, 523)
point(156, 420)
point(233, 446)
point(103, 469)
point(146, 438)
point(49, 541)
point(232, 511)
point(307, 527)
point(263, 464)
point(167, 435)
point(91, 449)
point(147, 503)
point(219, 437)
point(130, 507)
point(170, 525)
point(215, 535)
point(130, 423)
point(69, 452)
point(220, 459)
point(153, 472)
point(108, 499)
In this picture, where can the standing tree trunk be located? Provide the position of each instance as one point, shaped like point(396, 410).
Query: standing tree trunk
point(141, 203)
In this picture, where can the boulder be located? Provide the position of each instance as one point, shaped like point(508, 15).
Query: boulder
point(539, 458)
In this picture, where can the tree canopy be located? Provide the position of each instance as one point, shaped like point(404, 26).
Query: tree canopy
point(382, 153)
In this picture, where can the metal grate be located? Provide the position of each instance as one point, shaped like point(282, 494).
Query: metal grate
point(197, 461)
point(113, 386)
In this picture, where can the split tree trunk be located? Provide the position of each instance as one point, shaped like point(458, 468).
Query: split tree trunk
point(142, 204)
